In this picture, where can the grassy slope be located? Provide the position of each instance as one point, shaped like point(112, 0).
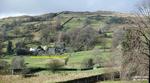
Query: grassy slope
point(78, 21)
point(76, 58)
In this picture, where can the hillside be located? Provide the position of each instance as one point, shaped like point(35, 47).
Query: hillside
point(23, 27)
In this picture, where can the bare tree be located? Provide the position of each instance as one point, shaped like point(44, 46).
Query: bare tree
point(136, 46)
point(118, 37)
point(82, 38)
point(86, 38)
point(17, 63)
point(58, 23)
point(45, 36)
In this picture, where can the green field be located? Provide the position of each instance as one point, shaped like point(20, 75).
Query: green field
point(74, 62)
point(75, 59)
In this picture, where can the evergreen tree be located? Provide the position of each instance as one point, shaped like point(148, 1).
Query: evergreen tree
point(9, 47)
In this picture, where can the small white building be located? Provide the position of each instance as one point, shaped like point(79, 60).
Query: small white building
point(44, 47)
point(32, 49)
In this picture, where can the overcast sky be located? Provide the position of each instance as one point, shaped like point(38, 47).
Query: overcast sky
point(35, 7)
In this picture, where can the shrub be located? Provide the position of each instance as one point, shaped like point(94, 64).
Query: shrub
point(26, 71)
point(55, 64)
point(66, 60)
point(17, 63)
point(22, 51)
point(98, 61)
point(4, 67)
point(87, 63)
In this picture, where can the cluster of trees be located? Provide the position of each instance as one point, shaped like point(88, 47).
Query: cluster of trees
point(79, 38)
point(117, 20)
point(48, 34)
point(19, 48)
point(97, 18)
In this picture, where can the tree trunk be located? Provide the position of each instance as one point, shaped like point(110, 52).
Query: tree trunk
point(12, 72)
